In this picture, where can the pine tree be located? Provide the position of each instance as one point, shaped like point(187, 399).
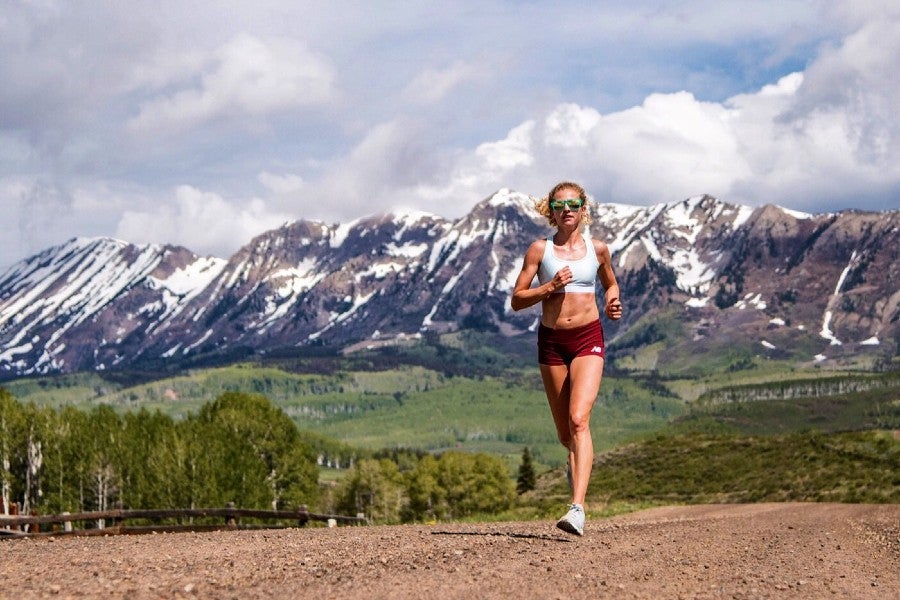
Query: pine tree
point(527, 479)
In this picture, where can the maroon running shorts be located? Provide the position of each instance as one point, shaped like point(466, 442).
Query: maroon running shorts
point(561, 346)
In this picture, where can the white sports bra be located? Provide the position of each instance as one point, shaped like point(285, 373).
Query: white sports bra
point(584, 269)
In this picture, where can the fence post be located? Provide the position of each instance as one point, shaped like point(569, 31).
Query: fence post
point(14, 512)
point(303, 516)
point(67, 524)
point(230, 519)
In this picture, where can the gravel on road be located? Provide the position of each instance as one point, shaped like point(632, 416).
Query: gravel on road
point(791, 550)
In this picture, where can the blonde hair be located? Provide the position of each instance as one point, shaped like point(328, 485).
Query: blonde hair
point(543, 205)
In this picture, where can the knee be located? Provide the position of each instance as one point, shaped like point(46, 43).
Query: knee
point(579, 423)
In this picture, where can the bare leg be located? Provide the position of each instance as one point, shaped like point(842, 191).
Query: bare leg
point(571, 392)
point(556, 385)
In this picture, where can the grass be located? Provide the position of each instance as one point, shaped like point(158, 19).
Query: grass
point(80, 389)
point(876, 408)
point(490, 415)
point(836, 467)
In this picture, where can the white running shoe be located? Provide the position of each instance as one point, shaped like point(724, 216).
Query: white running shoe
point(573, 522)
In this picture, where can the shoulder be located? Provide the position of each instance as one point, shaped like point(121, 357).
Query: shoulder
point(600, 248)
point(535, 251)
point(599, 245)
point(538, 245)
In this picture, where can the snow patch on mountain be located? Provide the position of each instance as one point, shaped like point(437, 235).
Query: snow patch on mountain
point(751, 300)
point(288, 285)
point(443, 250)
point(379, 271)
point(77, 280)
point(679, 216)
point(192, 278)
point(629, 223)
point(451, 283)
point(795, 213)
point(506, 282)
point(697, 302)
point(507, 197)
point(9, 353)
point(406, 250)
point(337, 318)
point(199, 342)
point(691, 273)
point(408, 220)
point(294, 280)
point(179, 288)
point(340, 232)
point(741, 215)
point(826, 331)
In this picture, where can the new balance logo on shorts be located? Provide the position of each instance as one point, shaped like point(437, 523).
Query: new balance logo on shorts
point(597, 350)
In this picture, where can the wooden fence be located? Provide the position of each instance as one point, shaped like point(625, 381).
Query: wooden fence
point(110, 522)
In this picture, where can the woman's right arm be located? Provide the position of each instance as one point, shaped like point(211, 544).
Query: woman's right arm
point(523, 294)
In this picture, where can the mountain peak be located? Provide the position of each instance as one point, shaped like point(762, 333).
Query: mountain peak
point(734, 274)
point(508, 197)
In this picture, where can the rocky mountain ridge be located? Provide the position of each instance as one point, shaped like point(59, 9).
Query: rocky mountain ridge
point(697, 276)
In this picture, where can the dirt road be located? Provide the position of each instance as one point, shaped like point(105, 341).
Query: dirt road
point(721, 551)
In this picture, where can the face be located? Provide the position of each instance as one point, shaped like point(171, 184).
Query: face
point(566, 205)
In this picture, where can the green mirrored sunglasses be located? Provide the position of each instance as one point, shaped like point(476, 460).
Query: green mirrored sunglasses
point(572, 203)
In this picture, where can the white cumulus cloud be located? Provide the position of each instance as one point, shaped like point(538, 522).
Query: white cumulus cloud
point(204, 222)
point(120, 118)
point(811, 140)
point(247, 76)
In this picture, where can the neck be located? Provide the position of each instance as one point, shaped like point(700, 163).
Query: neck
point(566, 237)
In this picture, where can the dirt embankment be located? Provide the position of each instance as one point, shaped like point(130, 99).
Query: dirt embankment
point(720, 551)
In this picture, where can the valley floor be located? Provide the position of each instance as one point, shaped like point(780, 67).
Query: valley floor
point(710, 551)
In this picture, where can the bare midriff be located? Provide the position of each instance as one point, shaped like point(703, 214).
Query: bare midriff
point(568, 310)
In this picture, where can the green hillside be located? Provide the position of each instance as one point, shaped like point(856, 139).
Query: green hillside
point(702, 468)
point(838, 448)
point(404, 407)
point(472, 392)
point(751, 429)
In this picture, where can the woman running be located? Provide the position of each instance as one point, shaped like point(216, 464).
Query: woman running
point(571, 350)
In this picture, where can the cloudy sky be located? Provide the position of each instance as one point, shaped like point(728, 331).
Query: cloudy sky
point(205, 123)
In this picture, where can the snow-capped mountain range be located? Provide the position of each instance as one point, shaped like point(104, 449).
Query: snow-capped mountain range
point(792, 285)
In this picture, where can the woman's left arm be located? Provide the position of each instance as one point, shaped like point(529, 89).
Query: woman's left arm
point(608, 281)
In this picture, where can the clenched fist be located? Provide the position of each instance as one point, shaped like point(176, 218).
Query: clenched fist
point(614, 309)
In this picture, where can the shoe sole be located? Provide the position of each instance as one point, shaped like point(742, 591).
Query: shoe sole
point(569, 528)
